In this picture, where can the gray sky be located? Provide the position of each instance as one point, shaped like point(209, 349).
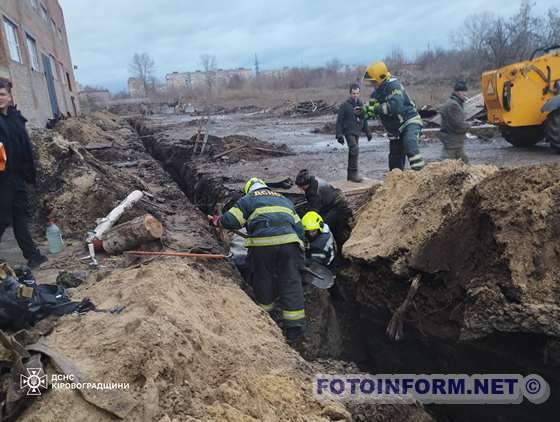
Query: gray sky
point(104, 34)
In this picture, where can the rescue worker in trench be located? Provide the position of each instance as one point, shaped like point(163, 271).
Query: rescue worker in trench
point(275, 257)
point(390, 102)
point(453, 124)
point(17, 168)
point(320, 246)
point(329, 203)
point(349, 125)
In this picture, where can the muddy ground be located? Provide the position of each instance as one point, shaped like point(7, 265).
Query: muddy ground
point(324, 156)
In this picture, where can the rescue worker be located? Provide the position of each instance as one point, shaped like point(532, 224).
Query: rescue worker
point(453, 124)
point(350, 126)
point(330, 203)
point(18, 169)
point(275, 244)
point(320, 245)
point(397, 112)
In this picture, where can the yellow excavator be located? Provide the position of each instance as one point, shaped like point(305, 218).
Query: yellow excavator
point(523, 99)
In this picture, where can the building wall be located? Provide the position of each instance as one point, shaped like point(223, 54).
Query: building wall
point(136, 88)
point(30, 90)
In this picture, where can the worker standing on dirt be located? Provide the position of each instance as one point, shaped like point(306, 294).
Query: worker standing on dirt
point(320, 245)
point(330, 203)
point(275, 243)
point(453, 124)
point(397, 112)
point(350, 126)
point(18, 169)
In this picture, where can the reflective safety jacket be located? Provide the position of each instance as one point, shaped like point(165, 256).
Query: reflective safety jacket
point(270, 219)
point(322, 249)
point(397, 109)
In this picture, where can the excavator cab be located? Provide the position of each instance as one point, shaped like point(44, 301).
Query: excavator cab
point(523, 99)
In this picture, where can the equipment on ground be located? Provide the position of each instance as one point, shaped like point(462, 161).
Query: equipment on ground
point(523, 99)
point(318, 275)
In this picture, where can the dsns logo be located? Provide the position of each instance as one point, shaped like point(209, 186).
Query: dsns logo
point(34, 381)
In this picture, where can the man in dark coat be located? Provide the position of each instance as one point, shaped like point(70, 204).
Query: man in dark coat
point(19, 170)
point(453, 124)
point(349, 125)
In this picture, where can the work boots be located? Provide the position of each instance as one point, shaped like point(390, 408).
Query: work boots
point(354, 176)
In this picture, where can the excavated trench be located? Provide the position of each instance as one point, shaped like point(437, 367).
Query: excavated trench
point(350, 323)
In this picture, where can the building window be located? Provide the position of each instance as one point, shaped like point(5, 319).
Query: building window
point(13, 44)
point(44, 13)
point(54, 67)
point(59, 33)
point(53, 25)
point(35, 4)
point(32, 49)
point(68, 80)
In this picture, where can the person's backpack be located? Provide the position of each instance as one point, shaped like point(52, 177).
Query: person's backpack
point(23, 302)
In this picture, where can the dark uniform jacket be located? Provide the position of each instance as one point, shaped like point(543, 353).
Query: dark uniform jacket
point(322, 197)
point(322, 249)
point(453, 124)
point(347, 123)
point(270, 219)
point(397, 109)
point(20, 167)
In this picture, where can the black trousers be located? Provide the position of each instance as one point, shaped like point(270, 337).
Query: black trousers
point(340, 220)
point(353, 142)
point(19, 221)
point(276, 275)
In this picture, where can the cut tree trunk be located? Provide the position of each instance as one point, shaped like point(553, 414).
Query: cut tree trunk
point(132, 234)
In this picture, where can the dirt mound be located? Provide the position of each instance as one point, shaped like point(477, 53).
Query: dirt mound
point(74, 187)
point(99, 128)
point(183, 345)
point(485, 243)
point(408, 209)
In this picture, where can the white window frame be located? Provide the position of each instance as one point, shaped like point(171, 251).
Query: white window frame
point(59, 33)
point(13, 40)
point(31, 44)
point(54, 67)
point(53, 25)
point(34, 4)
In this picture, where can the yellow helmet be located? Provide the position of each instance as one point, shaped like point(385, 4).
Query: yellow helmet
point(377, 72)
point(252, 182)
point(312, 221)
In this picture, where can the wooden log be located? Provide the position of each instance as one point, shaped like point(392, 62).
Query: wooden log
point(131, 234)
point(237, 148)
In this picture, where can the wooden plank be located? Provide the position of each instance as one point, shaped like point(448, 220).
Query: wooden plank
point(237, 148)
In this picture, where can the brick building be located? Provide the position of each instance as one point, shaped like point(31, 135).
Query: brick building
point(35, 56)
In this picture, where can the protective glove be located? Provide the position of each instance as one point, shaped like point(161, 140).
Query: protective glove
point(371, 109)
point(214, 220)
point(340, 139)
point(369, 136)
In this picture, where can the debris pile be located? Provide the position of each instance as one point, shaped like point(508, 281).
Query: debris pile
point(311, 108)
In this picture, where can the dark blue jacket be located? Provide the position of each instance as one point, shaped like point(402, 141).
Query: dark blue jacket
point(270, 219)
point(397, 109)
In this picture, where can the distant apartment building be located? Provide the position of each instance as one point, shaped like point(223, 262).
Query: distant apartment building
point(198, 79)
point(35, 56)
point(136, 88)
point(92, 99)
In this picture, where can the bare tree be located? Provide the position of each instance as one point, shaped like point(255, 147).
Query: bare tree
point(209, 67)
point(142, 67)
point(395, 60)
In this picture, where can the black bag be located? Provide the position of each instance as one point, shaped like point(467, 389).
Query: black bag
point(23, 302)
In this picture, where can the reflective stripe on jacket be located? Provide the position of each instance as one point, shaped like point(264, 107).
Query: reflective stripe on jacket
point(270, 219)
